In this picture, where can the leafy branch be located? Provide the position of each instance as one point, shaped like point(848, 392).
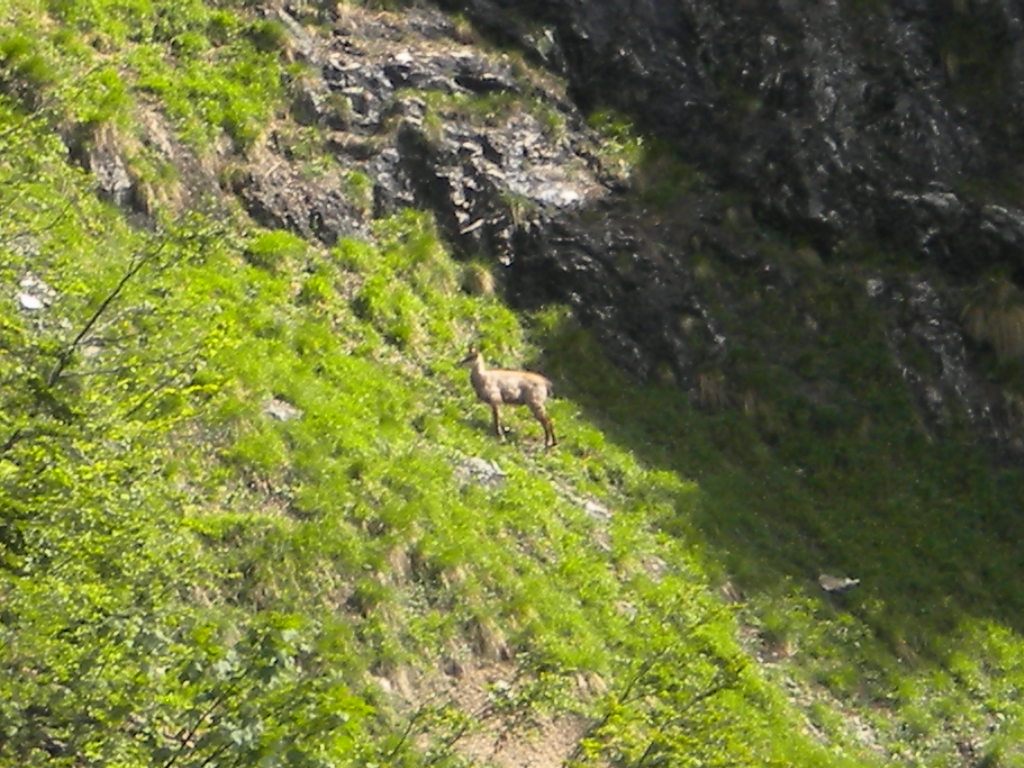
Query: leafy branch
point(57, 218)
point(136, 266)
point(186, 739)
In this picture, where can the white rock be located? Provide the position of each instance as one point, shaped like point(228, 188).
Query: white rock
point(282, 410)
point(836, 583)
point(30, 303)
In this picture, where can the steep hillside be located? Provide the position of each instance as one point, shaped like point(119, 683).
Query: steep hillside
point(251, 514)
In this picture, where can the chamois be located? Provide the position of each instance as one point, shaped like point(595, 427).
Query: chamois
point(498, 387)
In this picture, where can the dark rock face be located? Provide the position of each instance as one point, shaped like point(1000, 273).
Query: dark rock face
point(510, 171)
point(891, 124)
point(278, 197)
point(863, 119)
point(922, 314)
point(832, 127)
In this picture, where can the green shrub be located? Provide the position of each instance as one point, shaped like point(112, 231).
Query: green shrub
point(359, 191)
point(275, 251)
point(25, 74)
point(268, 36)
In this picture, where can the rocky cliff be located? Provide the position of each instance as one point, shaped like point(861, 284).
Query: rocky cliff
point(885, 121)
point(845, 126)
point(837, 136)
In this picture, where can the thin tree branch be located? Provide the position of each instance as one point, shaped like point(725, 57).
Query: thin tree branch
point(46, 227)
point(11, 441)
point(132, 271)
point(190, 734)
point(406, 732)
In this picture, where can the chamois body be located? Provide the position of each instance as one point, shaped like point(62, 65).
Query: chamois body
point(499, 387)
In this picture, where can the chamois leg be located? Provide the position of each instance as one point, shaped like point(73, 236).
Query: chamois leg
point(497, 423)
point(550, 441)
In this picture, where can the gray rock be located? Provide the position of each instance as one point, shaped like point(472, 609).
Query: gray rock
point(480, 472)
point(837, 583)
point(281, 410)
point(35, 293)
point(29, 302)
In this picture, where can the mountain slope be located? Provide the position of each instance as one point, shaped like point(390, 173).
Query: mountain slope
point(252, 514)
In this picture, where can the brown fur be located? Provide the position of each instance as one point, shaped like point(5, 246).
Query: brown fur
point(499, 387)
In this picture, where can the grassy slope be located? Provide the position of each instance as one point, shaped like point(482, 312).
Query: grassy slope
point(188, 581)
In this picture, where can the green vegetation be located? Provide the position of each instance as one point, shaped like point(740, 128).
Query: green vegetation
point(214, 72)
point(621, 148)
point(975, 48)
point(236, 522)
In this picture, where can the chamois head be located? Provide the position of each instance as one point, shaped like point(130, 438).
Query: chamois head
point(471, 355)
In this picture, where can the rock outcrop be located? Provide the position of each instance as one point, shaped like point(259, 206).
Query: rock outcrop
point(846, 126)
point(894, 120)
point(505, 160)
point(832, 128)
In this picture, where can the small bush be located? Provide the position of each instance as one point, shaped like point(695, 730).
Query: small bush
point(273, 251)
point(359, 191)
point(25, 74)
point(268, 36)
